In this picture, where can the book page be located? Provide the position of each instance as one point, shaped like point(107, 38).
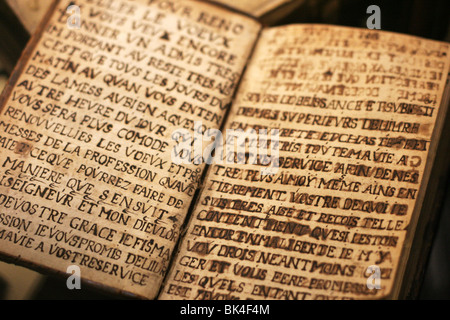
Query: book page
point(30, 12)
point(256, 8)
point(349, 114)
point(86, 172)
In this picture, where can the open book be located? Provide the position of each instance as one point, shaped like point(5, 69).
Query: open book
point(318, 184)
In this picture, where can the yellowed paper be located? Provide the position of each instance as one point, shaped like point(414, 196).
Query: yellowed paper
point(256, 8)
point(355, 110)
point(86, 177)
point(30, 12)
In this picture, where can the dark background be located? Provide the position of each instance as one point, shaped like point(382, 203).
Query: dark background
point(425, 18)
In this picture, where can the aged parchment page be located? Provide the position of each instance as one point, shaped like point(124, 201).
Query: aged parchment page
point(256, 8)
point(355, 110)
point(30, 12)
point(86, 177)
